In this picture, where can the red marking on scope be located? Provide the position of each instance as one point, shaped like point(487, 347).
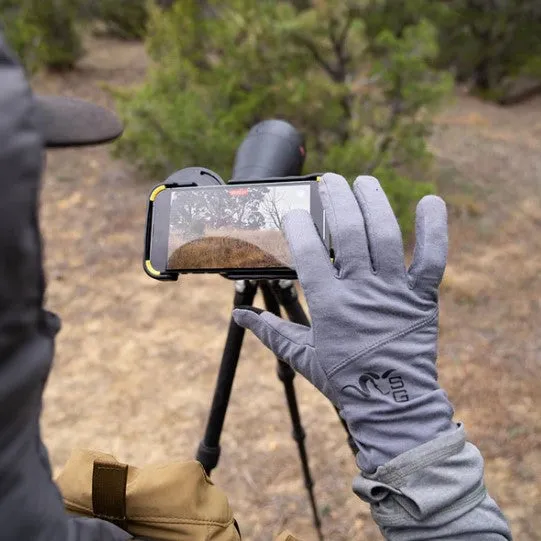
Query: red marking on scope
point(239, 191)
point(303, 152)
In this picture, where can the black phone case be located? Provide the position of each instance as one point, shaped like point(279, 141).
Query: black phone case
point(198, 176)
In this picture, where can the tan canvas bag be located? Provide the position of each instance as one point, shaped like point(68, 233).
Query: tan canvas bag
point(172, 502)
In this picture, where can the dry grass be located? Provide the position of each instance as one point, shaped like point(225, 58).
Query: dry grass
point(137, 360)
point(271, 241)
point(241, 247)
point(221, 253)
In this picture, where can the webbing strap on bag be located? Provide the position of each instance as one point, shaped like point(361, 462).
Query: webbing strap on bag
point(109, 492)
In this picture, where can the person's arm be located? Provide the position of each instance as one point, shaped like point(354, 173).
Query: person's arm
point(372, 351)
point(31, 506)
point(435, 491)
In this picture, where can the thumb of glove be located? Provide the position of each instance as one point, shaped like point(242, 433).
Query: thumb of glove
point(290, 342)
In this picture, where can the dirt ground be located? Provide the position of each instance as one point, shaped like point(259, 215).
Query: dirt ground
point(137, 360)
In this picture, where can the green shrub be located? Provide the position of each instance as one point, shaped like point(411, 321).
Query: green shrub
point(22, 36)
point(60, 43)
point(364, 103)
point(124, 20)
point(491, 43)
point(493, 47)
point(43, 32)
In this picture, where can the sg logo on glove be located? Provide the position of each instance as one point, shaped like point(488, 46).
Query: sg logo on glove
point(385, 384)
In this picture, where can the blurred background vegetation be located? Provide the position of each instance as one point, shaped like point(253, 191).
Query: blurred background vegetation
point(361, 79)
point(421, 93)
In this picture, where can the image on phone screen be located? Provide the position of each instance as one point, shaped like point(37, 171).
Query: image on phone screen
point(232, 227)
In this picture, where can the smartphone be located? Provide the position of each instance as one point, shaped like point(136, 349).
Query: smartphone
point(233, 229)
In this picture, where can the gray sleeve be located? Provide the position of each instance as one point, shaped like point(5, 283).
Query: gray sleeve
point(435, 491)
point(30, 503)
point(31, 506)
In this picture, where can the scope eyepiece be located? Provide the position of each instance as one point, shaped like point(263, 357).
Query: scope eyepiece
point(272, 148)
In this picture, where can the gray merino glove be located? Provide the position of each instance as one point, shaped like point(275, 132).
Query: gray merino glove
point(372, 346)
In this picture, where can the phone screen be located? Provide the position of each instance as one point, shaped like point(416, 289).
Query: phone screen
point(234, 226)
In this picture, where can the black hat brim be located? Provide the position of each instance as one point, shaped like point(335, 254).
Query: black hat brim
point(71, 122)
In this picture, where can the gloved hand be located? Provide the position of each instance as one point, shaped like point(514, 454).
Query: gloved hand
point(372, 346)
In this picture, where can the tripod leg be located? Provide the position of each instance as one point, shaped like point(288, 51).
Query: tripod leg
point(287, 295)
point(208, 452)
point(286, 374)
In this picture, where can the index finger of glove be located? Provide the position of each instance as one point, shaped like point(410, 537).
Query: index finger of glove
point(311, 259)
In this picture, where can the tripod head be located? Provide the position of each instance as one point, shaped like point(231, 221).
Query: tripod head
point(272, 148)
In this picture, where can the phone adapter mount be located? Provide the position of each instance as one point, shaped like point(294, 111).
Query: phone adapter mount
point(200, 176)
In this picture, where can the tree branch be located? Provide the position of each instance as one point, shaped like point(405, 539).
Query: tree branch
point(396, 110)
point(338, 46)
point(341, 70)
point(317, 56)
point(347, 25)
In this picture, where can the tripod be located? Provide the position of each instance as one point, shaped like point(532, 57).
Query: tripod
point(275, 293)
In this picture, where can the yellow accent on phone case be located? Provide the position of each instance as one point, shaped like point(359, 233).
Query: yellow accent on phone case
point(151, 269)
point(156, 191)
